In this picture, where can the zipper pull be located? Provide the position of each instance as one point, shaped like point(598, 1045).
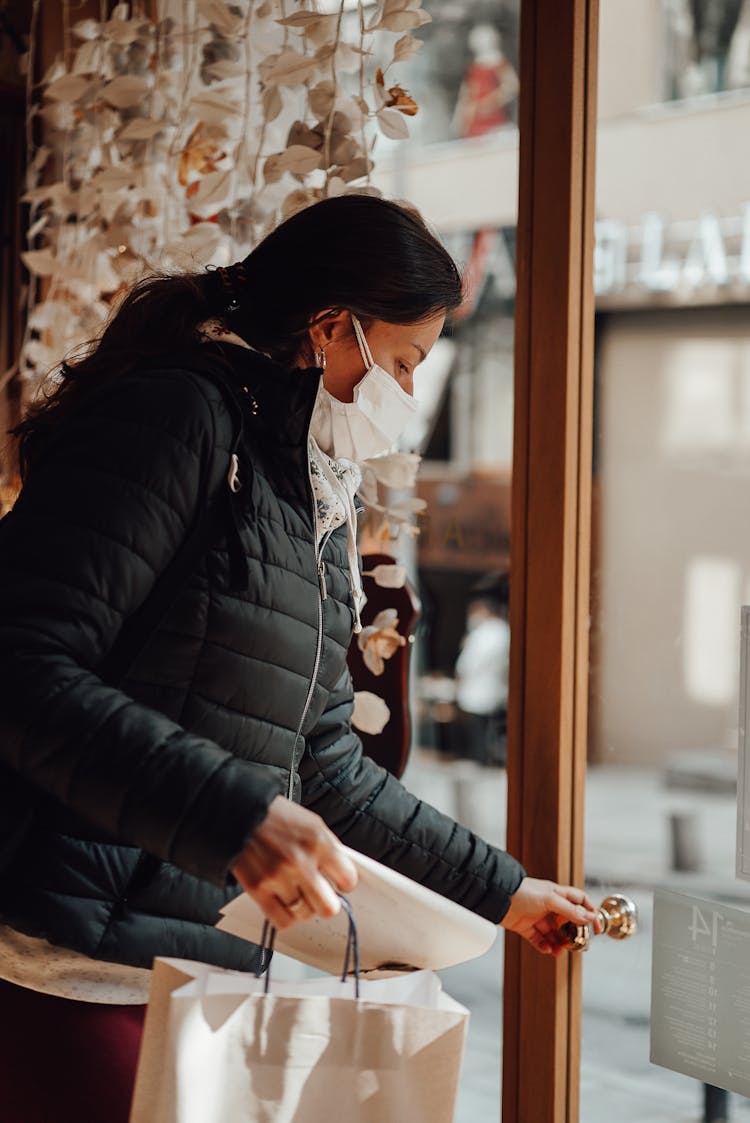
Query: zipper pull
point(322, 580)
point(233, 478)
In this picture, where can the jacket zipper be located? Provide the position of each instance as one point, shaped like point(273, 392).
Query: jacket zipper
point(322, 595)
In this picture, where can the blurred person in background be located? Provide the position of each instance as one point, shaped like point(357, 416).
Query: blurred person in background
point(482, 681)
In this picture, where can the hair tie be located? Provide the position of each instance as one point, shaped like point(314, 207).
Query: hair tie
point(232, 278)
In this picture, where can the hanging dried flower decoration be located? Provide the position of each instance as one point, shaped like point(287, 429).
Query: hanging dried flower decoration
point(179, 140)
point(370, 713)
point(389, 517)
point(380, 640)
point(395, 97)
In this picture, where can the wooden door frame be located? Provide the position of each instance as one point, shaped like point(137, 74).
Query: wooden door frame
point(551, 525)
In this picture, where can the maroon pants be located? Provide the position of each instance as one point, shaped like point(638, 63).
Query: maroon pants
point(63, 1061)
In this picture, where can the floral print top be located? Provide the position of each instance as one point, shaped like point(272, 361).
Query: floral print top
point(331, 506)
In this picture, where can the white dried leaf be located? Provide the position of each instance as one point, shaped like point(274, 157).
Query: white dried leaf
point(392, 124)
point(395, 469)
point(215, 191)
point(297, 201)
point(227, 68)
point(346, 151)
point(199, 246)
point(219, 14)
point(37, 227)
point(386, 618)
point(407, 507)
point(141, 128)
point(370, 713)
point(266, 65)
point(300, 133)
point(352, 107)
point(57, 193)
point(130, 269)
point(323, 31)
point(87, 58)
point(300, 160)
point(115, 178)
point(86, 199)
point(213, 108)
point(108, 121)
point(373, 192)
point(55, 71)
point(406, 47)
point(348, 58)
point(320, 99)
point(42, 263)
point(403, 21)
point(68, 89)
point(272, 103)
point(86, 29)
point(126, 91)
point(122, 31)
point(400, 5)
point(387, 577)
point(52, 314)
point(39, 354)
point(290, 69)
point(381, 96)
point(303, 19)
point(108, 204)
point(272, 168)
point(41, 156)
point(105, 278)
point(335, 186)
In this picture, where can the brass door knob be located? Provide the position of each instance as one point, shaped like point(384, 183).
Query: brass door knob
point(619, 919)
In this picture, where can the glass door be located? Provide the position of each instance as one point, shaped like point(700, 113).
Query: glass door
point(670, 540)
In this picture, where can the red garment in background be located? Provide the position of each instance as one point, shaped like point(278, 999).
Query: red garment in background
point(63, 1061)
point(480, 81)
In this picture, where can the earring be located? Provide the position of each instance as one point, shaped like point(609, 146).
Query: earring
point(320, 359)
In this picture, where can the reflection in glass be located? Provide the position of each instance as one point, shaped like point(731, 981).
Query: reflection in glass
point(464, 80)
point(465, 76)
point(708, 46)
point(671, 477)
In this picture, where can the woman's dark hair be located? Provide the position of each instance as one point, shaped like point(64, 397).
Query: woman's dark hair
point(373, 257)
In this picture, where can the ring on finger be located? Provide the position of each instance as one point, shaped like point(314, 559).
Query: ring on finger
point(295, 905)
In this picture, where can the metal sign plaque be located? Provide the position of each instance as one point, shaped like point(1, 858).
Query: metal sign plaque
point(700, 990)
point(743, 771)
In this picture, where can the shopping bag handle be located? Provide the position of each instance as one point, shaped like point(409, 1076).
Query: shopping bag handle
point(351, 955)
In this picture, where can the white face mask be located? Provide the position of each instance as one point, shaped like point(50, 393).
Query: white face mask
point(369, 425)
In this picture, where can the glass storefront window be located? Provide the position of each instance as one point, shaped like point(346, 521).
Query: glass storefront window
point(670, 548)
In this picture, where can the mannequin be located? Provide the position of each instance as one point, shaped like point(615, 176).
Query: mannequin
point(489, 85)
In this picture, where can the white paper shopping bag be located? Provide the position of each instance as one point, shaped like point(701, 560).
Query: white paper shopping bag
point(217, 1049)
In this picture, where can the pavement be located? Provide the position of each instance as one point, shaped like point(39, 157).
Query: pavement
point(630, 826)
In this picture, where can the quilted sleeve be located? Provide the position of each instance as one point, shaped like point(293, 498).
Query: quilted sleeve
point(100, 516)
point(372, 812)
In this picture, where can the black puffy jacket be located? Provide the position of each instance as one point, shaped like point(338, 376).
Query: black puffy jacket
point(142, 795)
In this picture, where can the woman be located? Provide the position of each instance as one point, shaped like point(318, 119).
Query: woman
point(228, 410)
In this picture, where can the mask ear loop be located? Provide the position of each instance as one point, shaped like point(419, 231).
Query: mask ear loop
point(364, 348)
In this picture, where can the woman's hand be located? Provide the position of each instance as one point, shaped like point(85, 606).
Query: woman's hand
point(538, 909)
point(289, 862)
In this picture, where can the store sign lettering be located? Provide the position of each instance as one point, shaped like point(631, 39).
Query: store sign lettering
point(679, 258)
